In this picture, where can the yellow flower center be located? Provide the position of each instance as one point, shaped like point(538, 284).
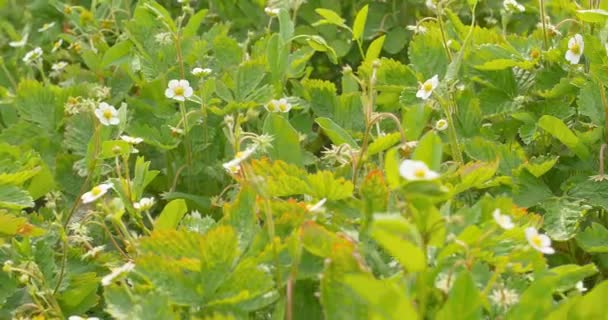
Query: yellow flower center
point(239, 155)
point(427, 86)
point(96, 191)
point(282, 107)
point(107, 114)
point(537, 241)
point(420, 173)
point(179, 91)
point(576, 49)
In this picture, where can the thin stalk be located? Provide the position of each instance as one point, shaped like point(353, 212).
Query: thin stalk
point(544, 24)
point(453, 136)
point(442, 31)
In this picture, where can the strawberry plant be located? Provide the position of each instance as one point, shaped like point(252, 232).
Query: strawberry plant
point(293, 159)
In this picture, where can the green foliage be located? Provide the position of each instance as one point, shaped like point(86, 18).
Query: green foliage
point(299, 160)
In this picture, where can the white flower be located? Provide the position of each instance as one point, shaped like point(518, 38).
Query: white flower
point(131, 140)
point(33, 55)
point(127, 267)
point(317, 207)
point(201, 72)
point(539, 242)
point(96, 192)
point(273, 12)
point(20, 43)
point(144, 204)
point(280, 105)
point(93, 252)
point(426, 88)
point(513, 6)
point(234, 166)
point(46, 27)
point(575, 49)
point(56, 45)
point(444, 282)
point(441, 124)
point(81, 318)
point(580, 286)
point(504, 297)
point(59, 66)
point(164, 38)
point(416, 170)
point(176, 131)
point(418, 29)
point(430, 4)
point(178, 90)
point(503, 220)
point(107, 114)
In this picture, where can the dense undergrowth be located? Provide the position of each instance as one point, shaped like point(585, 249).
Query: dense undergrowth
point(291, 159)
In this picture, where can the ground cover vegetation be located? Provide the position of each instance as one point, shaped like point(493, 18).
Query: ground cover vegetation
point(291, 159)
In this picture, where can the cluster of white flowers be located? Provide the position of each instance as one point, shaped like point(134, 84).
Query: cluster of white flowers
point(539, 242)
point(33, 56)
point(280, 105)
point(418, 29)
point(201, 72)
point(144, 204)
point(272, 12)
point(513, 6)
point(504, 297)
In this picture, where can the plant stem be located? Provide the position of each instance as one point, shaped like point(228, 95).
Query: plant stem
point(453, 136)
point(544, 23)
point(442, 31)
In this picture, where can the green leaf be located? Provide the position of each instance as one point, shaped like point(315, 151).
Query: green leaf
point(117, 54)
point(569, 274)
point(336, 134)
point(593, 15)
point(589, 306)
point(286, 26)
point(562, 217)
point(536, 301)
point(330, 17)
point(323, 184)
point(390, 231)
point(374, 49)
point(12, 197)
point(115, 148)
point(475, 174)
point(10, 224)
point(538, 166)
point(241, 215)
point(171, 215)
point(391, 168)
point(382, 143)
point(593, 239)
point(464, 301)
point(386, 299)
point(359, 23)
point(558, 129)
point(194, 23)
point(81, 293)
point(286, 143)
point(590, 104)
point(429, 150)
